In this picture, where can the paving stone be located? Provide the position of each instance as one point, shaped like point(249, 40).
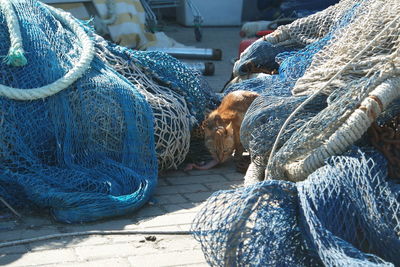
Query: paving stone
point(196, 265)
point(38, 221)
point(59, 256)
point(161, 244)
point(186, 227)
point(175, 227)
point(10, 235)
point(198, 197)
point(173, 174)
point(112, 224)
point(176, 243)
point(167, 220)
point(170, 199)
point(149, 211)
point(234, 176)
point(69, 242)
point(179, 189)
point(8, 225)
point(224, 186)
point(162, 182)
point(24, 234)
point(114, 239)
point(210, 178)
point(182, 208)
point(113, 262)
point(104, 251)
point(168, 259)
point(49, 230)
point(227, 167)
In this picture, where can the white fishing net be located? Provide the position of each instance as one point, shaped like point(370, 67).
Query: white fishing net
point(171, 123)
point(357, 67)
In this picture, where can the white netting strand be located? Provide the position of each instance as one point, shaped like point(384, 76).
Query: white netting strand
point(171, 124)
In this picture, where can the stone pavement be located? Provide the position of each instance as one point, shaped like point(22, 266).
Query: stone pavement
point(178, 198)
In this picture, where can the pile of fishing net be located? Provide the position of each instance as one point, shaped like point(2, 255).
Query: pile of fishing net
point(327, 198)
point(86, 125)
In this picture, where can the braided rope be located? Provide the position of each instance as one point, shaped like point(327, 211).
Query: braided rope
point(350, 131)
point(337, 143)
point(15, 56)
point(70, 77)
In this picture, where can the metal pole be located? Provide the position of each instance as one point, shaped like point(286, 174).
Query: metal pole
point(191, 53)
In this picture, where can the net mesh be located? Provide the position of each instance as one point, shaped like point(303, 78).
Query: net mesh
point(341, 67)
point(94, 149)
point(344, 214)
point(171, 114)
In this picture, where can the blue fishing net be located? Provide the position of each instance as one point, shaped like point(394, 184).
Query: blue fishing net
point(87, 152)
point(344, 214)
point(350, 211)
point(172, 73)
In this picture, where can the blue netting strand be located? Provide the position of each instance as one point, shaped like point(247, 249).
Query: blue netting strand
point(172, 73)
point(362, 231)
point(253, 226)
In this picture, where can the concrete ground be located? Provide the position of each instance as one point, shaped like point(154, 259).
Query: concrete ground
point(178, 198)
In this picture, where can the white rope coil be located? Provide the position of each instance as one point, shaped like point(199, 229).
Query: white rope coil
point(70, 77)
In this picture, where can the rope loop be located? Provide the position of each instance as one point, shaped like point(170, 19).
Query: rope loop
point(69, 78)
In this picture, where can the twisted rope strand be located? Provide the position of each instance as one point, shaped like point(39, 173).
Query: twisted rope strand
point(15, 56)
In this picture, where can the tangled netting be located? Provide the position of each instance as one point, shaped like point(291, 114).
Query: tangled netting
point(345, 214)
point(93, 149)
point(338, 73)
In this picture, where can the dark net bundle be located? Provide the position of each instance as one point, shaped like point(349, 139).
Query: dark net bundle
point(345, 214)
point(253, 226)
point(351, 210)
point(347, 205)
point(276, 223)
point(90, 150)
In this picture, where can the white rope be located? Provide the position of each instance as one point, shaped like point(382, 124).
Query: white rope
point(308, 100)
point(70, 77)
point(15, 56)
point(352, 130)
